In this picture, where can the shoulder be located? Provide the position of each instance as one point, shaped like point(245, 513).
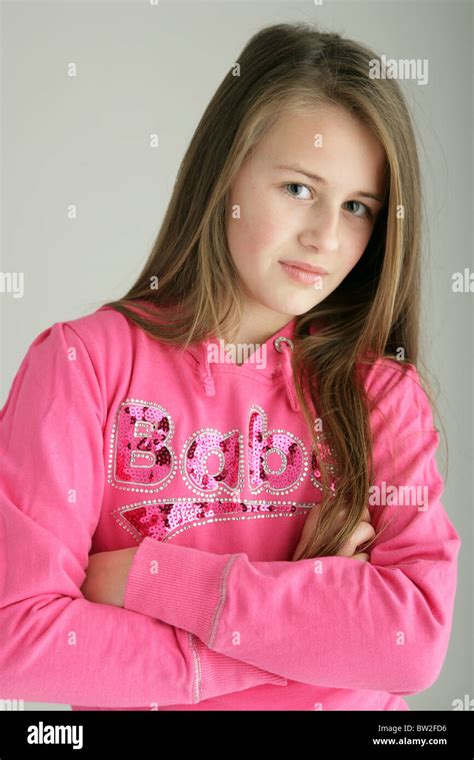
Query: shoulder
point(394, 385)
point(109, 338)
point(99, 345)
point(94, 329)
point(100, 326)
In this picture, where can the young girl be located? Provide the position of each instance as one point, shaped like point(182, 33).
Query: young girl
point(187, 529)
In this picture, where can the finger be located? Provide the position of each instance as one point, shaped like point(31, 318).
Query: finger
point(343, 513)
point(363, 532)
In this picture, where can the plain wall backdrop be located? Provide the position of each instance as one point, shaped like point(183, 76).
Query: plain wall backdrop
point(144, 69)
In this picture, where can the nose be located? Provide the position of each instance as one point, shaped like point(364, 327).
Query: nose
point(321, 231)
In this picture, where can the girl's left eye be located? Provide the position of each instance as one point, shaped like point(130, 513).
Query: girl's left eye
point(366, 209)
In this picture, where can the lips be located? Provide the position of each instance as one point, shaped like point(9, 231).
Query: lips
point(304, 276)
point(305, 267)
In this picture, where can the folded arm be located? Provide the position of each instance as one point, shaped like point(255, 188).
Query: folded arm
point(332, 621)
point(55, 645)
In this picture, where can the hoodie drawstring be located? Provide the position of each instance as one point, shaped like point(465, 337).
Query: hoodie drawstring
point(283, 345)
point(206, 376)
point(287, 369)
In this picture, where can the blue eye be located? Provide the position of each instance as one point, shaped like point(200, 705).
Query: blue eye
point(367, 211)
point(294, 184)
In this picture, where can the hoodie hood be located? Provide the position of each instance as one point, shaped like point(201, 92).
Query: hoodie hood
point(272, 359)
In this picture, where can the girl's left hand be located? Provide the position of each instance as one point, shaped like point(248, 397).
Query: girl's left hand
point(107, 575)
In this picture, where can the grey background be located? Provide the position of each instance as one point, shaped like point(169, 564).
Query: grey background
point(144, 69)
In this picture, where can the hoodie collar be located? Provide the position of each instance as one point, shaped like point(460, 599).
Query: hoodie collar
point(271, 359)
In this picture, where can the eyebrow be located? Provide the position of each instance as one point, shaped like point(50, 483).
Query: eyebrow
point(316, 178)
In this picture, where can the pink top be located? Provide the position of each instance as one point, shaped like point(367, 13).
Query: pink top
point(109, 439)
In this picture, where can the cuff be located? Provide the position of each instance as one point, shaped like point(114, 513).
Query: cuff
point(218, 674)
point(178, 585)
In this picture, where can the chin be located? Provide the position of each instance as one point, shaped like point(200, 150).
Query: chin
point(291, 308)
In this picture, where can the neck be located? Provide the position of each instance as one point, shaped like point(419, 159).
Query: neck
point(258, 324)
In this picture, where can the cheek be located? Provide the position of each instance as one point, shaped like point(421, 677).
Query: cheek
point(357, 255)
point(253, 235)
point(356, 245)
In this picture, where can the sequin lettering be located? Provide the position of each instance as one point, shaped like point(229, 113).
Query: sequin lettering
point(211, 461)
point(141, 435)
point(142, 457)
point(278, 461)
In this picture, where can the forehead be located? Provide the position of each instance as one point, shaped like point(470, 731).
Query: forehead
point(324, 140)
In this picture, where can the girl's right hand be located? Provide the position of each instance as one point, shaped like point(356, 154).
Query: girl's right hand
point(363, 532)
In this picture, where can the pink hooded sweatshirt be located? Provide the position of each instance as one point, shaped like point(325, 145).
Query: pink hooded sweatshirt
point(110, 439)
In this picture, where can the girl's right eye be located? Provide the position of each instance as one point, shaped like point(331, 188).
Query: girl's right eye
point(294, 184)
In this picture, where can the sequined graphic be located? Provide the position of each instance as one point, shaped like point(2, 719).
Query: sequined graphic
point(324, 455)
point(211, 461)
point(142, 457)
point(162, 519)
point(278, 461)
point(140, 453)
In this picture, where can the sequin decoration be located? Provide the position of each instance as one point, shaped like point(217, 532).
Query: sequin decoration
point(225, 473)
point(163, 519)
point(140, 453)
point(325, 455)
point(142, 457)
point(278, 460)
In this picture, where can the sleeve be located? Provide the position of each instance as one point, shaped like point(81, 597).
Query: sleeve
point(332, 621)
point(56, 646)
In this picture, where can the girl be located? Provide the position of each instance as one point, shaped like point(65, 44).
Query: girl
point(186, 531)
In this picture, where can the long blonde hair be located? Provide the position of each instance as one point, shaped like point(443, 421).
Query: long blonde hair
point(373, 313)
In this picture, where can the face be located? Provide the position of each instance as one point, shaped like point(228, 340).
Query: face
point(282, 217)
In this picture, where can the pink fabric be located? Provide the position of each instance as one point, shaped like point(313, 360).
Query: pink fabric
point(110, 439)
